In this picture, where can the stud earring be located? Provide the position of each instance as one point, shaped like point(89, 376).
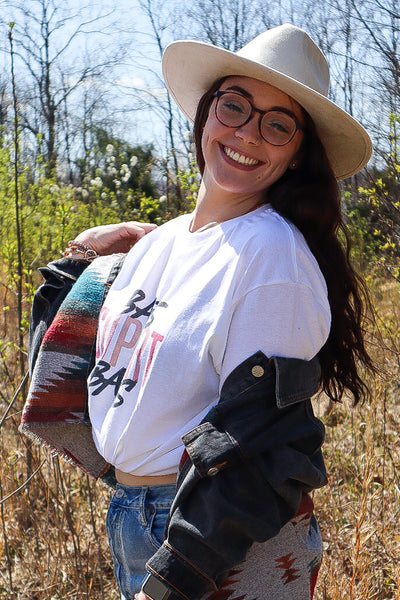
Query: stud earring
point(293, 164)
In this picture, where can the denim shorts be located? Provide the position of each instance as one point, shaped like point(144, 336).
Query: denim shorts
point(135, 525)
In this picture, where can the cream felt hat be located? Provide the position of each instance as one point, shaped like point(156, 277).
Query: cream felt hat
point(287, 58)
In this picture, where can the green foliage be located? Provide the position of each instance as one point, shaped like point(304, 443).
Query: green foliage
point(190, 181)
point(116, 165)
point(363, 226)
point(374, 215)
point(51, 212)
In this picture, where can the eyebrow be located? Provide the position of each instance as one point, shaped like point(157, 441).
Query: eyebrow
point(237, 88)
point(246, 94)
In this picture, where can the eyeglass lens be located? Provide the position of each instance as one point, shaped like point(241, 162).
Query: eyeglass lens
point(234, 110)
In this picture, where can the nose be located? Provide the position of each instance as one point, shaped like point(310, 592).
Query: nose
point(250, 131)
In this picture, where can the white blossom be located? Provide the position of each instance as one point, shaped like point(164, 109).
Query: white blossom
point(112, 171)
point(133, 161)
point(97, 182)
point(125, 173)
point(162, 199)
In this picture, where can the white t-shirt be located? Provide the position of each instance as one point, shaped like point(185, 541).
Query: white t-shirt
point(184, 311)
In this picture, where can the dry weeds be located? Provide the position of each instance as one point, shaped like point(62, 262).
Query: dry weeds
point(53, 541)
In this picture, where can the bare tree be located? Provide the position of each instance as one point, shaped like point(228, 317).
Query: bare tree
point(380, 22)
point(52, 44)
point(226, 23)
point(151, 10)
point(143, 93)
point(5, 101)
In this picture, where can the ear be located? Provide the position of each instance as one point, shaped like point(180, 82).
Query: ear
point(295, 163)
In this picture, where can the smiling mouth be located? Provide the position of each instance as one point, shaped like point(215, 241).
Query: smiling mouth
point(240, 158)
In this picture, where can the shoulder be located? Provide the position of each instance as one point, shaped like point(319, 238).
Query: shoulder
point(274, 239)
point(264, 230)
point(163, 234)
point(177, 224)
point(275, 251)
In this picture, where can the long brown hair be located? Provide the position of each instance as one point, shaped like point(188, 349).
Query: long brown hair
point(309, 197)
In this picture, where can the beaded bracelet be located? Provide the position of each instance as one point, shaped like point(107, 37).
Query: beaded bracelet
point(88, 253)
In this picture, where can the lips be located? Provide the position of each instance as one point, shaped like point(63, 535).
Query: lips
point(240, 158)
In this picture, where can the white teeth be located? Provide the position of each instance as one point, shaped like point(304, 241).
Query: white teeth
point(243, 160)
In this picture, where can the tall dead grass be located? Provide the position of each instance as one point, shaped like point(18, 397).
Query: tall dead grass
point(52, 529)
point(359, 510)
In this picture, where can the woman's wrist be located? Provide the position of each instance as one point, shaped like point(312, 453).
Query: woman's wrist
point(79, 251)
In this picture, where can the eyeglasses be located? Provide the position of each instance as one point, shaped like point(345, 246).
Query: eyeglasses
point(234, 110)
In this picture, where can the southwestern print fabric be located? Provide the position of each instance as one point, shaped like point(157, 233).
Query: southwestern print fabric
point(55, 410)
point(283, 568)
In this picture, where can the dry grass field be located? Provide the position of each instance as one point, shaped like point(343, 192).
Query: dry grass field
point(53, 541)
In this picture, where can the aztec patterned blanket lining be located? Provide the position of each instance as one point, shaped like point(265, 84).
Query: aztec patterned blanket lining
point(285, 566)
point(55, 411)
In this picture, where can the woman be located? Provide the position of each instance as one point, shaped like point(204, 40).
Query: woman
point(220, 327)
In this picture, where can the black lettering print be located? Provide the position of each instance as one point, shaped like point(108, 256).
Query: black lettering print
point(147, 311)
point(135, 311)
point(129, 384)
point(156, 304)
point(99, 381)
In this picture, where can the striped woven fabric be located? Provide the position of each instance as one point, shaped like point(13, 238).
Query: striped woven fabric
point(55, 411)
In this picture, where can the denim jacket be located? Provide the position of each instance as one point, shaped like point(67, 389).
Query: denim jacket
point(246, 467)
point(244, 473)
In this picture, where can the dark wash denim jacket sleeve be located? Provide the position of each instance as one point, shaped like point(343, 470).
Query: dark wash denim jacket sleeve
point(246, 468)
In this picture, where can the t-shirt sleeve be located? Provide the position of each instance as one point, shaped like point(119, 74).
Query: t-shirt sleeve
point(283, 319)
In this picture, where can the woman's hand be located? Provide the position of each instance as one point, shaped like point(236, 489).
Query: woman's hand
point(118, 237)
point(142, 596)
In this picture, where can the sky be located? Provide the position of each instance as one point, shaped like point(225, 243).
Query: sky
point(138, 76)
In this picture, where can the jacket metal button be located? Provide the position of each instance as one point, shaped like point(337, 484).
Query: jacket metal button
point(257, 371)
point(212, 471)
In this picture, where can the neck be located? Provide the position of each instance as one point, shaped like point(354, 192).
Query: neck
point(216, 205)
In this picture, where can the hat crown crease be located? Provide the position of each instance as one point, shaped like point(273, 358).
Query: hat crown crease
point(291, 52)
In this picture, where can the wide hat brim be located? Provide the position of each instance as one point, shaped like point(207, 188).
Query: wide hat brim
point(191, 67)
